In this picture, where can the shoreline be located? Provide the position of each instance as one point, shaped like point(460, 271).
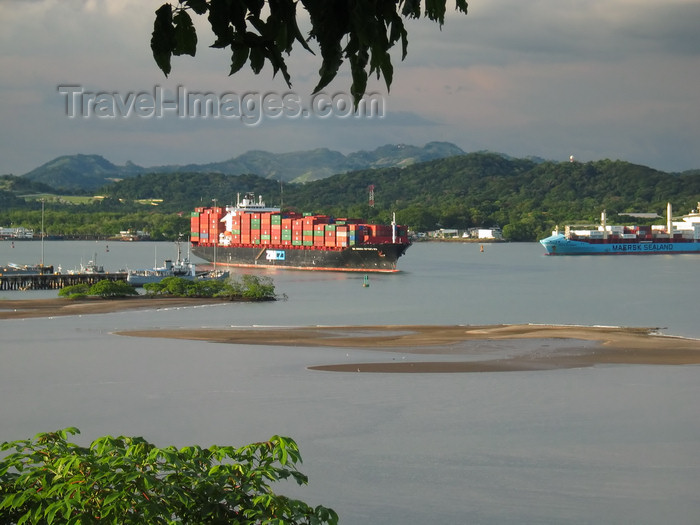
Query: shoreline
point(61, 306)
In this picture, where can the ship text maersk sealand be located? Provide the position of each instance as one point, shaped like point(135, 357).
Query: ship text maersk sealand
point(670, 238)
point(251, 234)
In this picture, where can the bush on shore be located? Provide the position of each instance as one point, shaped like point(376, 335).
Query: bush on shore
point(249, 287)
point(246, 287)
point(104, 288)
point(127, 480)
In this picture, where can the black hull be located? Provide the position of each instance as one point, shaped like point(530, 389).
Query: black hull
point(364, 258)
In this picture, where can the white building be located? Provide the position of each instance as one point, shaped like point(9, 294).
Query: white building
point(16, 233)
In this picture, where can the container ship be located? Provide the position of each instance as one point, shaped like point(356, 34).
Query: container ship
point(673, 237)
point(251, 234)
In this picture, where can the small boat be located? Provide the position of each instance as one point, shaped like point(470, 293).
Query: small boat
point(182, 268)
point(91, 268)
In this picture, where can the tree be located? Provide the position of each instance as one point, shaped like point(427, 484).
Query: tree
point(107, 288)
point(258, 31)
point(127, 480)
point(75, 291)
point(254, 287)
point(250, 287)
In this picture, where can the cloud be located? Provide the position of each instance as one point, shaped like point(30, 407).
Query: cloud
point(614, 78)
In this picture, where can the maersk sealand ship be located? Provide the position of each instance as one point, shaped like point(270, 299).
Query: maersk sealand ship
point(671, 238)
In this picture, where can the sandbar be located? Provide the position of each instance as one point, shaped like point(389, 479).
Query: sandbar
point(456, 348)
point(61, 306)
point(413, 348)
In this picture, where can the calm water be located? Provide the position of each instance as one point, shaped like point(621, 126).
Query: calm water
point(610, 444)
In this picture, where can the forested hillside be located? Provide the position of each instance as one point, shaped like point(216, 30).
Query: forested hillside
point(526, 198)
point(78, 173)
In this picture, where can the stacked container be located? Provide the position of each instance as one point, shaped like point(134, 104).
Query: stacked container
point(286, 229)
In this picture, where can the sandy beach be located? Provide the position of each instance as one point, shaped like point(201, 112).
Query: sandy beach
point(414, 349)
point(32, 308)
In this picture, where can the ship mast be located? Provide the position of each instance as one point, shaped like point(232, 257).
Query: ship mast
point(603, 223)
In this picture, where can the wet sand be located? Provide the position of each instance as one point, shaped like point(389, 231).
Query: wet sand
point(32, 308)
point(417, 349)
point(488, 348)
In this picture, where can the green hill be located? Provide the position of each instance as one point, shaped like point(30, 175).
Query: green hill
point(80, 172)
point(89, 172)
point(525, 197)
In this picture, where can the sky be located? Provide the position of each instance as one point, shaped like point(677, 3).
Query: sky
point(592, 79)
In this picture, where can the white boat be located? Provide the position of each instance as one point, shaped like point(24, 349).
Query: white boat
point(91, 268)
point(182, 268)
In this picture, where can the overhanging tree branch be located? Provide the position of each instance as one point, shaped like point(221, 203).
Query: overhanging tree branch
point(259, 31)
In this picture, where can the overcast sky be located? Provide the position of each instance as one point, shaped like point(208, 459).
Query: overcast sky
point(596, 79)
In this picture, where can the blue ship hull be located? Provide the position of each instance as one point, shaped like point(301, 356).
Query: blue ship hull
point(559, 245)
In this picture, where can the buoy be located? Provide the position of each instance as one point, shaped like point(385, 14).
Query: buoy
point(481, 249)
point(366, 282)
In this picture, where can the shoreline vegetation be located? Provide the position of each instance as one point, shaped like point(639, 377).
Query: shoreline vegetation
point(409, 349)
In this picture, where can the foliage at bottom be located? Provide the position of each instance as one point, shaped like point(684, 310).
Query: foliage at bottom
point(127, 480)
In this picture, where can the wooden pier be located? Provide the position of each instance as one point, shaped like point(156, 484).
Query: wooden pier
point(51, 281)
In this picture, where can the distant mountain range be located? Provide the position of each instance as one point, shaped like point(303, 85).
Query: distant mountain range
point(90, 172)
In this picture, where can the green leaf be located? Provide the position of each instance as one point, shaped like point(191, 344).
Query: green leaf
point(257, 59)
point(51, 511)
point(163, 38)
point(435, 10)
point(111, 498)
point(411, 9)
point(239, 56)
point(198, 6)
point(185, 35)
point(220, 19)
point(69, 431)
point(8, 501)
